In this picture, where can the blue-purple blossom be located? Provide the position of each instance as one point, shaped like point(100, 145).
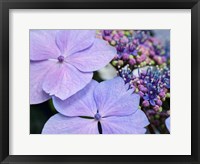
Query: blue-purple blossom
point(152, 83)
point(110, 104)
point(151, 95)
point(63, 61)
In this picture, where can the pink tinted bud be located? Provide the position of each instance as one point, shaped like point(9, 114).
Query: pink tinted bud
point(159, 102)
point(107, 38)
point(125, 56)
point(139, 60)
point(116, 38)
point(143, 57)
point(145, 103)
point(141, 81)
point(162, 94)
point(120, 62)
point(158, 59)
point(147, 60)
point(132, 61)
point(152, 53)
point(121, 33)
point(142, 88)
point(155, 58)
point(141, 93)
point(156, 108)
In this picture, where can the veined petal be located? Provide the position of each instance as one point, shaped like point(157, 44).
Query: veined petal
point(42, 45)
point(63, 80)
point(59, 124)
point(125, 105)
point(93, 58)
point(71, 41)
point(132, 124)
point(113, 99)
point(80, 104)
point(38, 71)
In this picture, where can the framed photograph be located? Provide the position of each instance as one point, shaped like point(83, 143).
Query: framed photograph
point(99, 81)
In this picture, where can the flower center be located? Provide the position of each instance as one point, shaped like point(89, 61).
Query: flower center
point(61, 58)
point(97, 116)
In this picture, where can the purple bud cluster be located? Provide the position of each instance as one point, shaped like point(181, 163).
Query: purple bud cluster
point(142, 60)
point(151, 83)
point(138, 48)
point(153, 86)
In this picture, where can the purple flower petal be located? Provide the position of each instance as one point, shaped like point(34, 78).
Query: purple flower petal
point(64, 80)
point(113, 99)
point(146, 97)
point(93, 58)
point(38, 72)
point(42, 45)
point(59, 124)
point(72, 41)
point(80, 104)
point(167, 123)
point(132, 124)
point(152, 102)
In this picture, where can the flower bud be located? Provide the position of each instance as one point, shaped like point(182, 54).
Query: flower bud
point(132, 61)
point(120, 62)
point(145, 103)
point(116, 38)
point(107, 38)
point(159, 102)
point(162, 94)
point(131, 57)
point(141, 93)
point(121, 33)
point(125, 56)
point(160, 109)
point(168, 95)
point(156, 108)
point(127, 33)
point(113, 42)
point(142, 88)
point(114, 63)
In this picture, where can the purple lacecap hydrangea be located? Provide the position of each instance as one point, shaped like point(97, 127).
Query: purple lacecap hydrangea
point(110, 104)
point(152, 83)
point(137, 48)
point(63, 61)
point(153, 86)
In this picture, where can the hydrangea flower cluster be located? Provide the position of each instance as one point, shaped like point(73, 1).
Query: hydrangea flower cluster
point(153, 86)
point(142, 60)
point(138, 48)
point(62, 63)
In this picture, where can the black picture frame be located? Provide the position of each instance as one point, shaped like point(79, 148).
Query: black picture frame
point(5, 5)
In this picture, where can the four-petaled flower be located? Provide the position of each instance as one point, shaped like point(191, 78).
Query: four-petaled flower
point(151, 96)
point(63, 61)
point(109, 103)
